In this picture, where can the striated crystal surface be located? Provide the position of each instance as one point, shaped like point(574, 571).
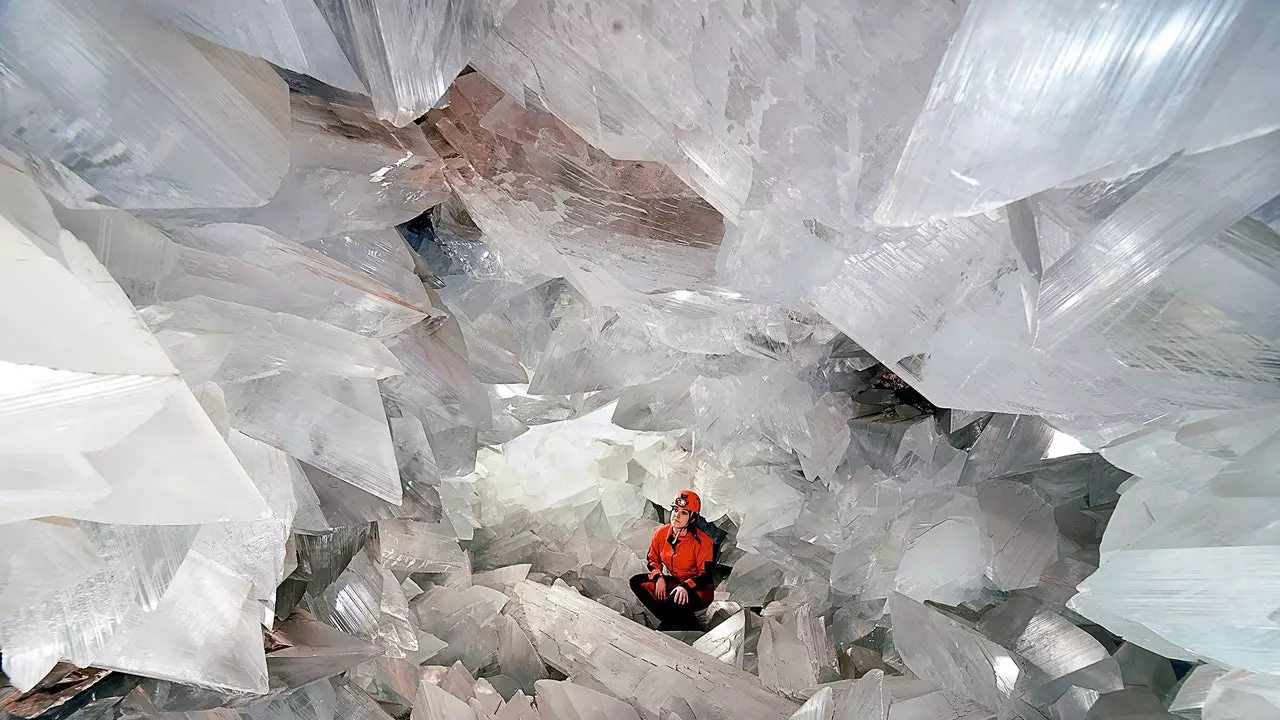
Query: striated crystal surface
point(204, 631)
point(407, 52)
point(552, 200)
point(1130, 248)
point(93, 394)
point(1194, 690)
point(335, 423)
point(77, 617)
point(578, 636)
point(317, 701)
point(1058, 653)
point(348, 173)
point(945, 651)
point(1003, 121)
point(264, 343)
point(411, 546)
point(107, 107)
point(288, 33)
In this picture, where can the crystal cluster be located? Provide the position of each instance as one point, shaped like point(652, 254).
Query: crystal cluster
point(353, 351)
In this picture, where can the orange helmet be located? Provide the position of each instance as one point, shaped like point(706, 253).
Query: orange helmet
point(688, 500)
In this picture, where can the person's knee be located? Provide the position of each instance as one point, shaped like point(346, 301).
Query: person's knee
point(637, 583)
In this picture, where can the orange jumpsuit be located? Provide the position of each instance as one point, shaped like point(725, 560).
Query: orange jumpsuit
point(688, 561)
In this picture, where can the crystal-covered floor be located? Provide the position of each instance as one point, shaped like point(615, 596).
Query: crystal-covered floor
point(351, 353)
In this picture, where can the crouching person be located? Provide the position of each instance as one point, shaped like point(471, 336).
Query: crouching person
point(681, 557)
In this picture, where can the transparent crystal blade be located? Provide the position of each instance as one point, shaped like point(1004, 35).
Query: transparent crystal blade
point(336, 424)
point(291, 34)
point(226, 143)
point(263, 342)
point(1132, 247)
point(1010, 114)
point(137, 565)
point(204, 631)
point(409, 53)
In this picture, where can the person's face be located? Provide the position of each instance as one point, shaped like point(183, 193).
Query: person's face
point(680, 517)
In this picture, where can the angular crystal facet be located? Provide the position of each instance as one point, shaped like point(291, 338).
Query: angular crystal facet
point(632, 662)
point(411, 546)
point(94, 391)
point(1003, 122)
point(204, 631)
point(434, 703)
point(408, 53)
point(88, 98)
point(1130, 248)
point(1022, 532)
point(76, 618)
point(945, 651)
point(291, 34)
point(348, 173)
point(634, 223)
point(337, 424)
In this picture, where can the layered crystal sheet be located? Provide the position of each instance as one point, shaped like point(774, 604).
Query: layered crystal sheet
point(1129, 88)
point(288, 33)
point(107, 107)
point(407, 52)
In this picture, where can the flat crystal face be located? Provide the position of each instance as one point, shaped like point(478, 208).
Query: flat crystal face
point(351, 354)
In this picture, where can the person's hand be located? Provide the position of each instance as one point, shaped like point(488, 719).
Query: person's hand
point(680, 596)
point(660, 588)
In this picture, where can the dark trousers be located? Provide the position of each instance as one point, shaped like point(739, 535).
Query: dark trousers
point(669, 614)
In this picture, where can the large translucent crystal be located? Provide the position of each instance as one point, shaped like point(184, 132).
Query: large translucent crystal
point(348, 172)
point(945, 651)
point(263, 343)
point(334, 423)
point(578, 636)
point(75, 618)
point(1022, 533)
point(701, 104)
point(93, 392)
point(105, 106)
point(204, 631)
point(288, 33)
point(312, 650)
point(1011, 114)
point(411, 546)
point(1226, 526)
point(1238, 634)
point(1058, 654)
point(628, 222)
point(566, 700)
point(783, 663)
point(408, 52)
point(1128, 250)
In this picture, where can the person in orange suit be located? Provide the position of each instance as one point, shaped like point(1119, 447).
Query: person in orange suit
point(679, 582)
